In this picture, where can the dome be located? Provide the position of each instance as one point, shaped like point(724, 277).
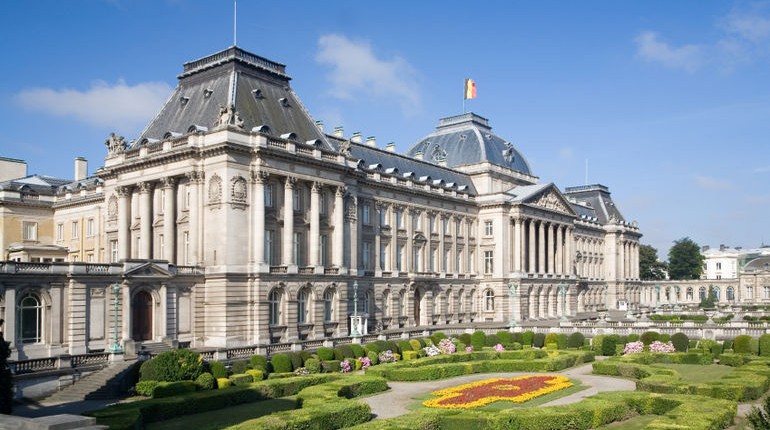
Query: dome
point(468, 139)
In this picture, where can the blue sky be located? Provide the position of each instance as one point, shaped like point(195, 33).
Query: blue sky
point(667, 102)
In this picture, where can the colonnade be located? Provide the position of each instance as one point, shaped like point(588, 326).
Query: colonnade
point(542, 247)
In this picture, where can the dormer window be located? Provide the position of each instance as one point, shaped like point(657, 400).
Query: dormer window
point(207, 92)
point(257, 94)
point(284, 102)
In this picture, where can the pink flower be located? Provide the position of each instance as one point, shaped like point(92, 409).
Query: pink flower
point(499, 347)
point(468, 349)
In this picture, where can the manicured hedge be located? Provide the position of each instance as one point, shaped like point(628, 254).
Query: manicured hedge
point(325, 353)
point(258, 362)
point(764, 345)
point(575, 340)
point(169, 389)
point(680, 341)
point(281, 363)
point(538, 341)
point(741, 344)
point(649, 337)
point(174, 365)
point(218, 369)
point(206, 381)
point(478, 340)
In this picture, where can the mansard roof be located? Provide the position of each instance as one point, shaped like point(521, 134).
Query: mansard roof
point(44, 185)
point(597, 198)
point(257, 88)
point(468, 139)
point(758, 265)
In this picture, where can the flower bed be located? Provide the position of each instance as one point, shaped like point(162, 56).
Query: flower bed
point(480, 393)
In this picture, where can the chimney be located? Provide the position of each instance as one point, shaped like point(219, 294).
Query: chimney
point(81, 168)
point(705, 248)
point(371, 141)
point(722, 247)
point(338, 132)
point(320, 125)
point(390, 147)
point(356, 137)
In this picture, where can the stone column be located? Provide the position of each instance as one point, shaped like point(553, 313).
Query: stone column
point(531, 267)
point(517, 242)
point(541, 248)
point(339, 231)
point(355, 233)
point(408, 218)
point(620, 265)
point(124, 222)
point(145, 222)
point(169, 220)
point(258, 215)
point(428, 250)
point(9, 328)
point(550, 249)
point(194, 180)
point(453, 256)
point(559, 250)
point(568, 245)
point(315, 198)
point(287, 248)
point(441, 245)
point(378, 208)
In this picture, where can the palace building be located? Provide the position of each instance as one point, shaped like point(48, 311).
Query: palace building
point(235, 219)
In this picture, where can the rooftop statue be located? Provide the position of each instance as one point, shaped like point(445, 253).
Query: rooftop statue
point(228, 116)
point(115, 144)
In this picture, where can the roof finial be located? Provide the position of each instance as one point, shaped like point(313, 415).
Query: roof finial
point(235, 22)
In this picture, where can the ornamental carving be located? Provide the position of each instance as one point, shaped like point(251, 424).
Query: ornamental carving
point(115, 144)
point(345, 149)
point(508, 152)
point(238, 189)
point(352, 208)
point(97, 292)
point(112, 207)
point(551, 201)
point(215, 189)
point(228, 116)
point(123, 191)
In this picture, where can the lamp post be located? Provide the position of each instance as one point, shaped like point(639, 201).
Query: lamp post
point(354, 331)
point(512, 287)
point(115, 347)
point(563, 291)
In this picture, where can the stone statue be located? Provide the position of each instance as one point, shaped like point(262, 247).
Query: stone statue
point(115, 143)
point(508, 152)
point(345, 149)
point(228, 116)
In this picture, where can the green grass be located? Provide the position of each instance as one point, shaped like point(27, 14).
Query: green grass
point(222, 418)
point(696, 373)
point(635, 423)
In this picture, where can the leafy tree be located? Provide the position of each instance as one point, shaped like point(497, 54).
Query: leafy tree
point(685, 260)
point(709, 301)
point(650, 268)
point(759, 419)
point(6, 383)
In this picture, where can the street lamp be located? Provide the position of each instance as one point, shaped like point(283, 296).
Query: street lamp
point(512, 291)
point(563, 291)
point(354, 331)
point(115, 348)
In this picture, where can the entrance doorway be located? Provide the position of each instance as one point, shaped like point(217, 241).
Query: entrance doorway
point(141, 316)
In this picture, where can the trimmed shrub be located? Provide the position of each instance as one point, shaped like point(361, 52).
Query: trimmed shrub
point(550, 338)
point(206, 381)
point(281, 363)
point(409, 355)
point(527, 337)
point(538, 340)
point(296, 360)
point(258, 362)
point(575, 340)
point(478, 340)
point(174, 365)
point(754, 346)
point(741, 344)
point(313, 365)
point(504, 337)
point(465, 338)
point(608, 346)
point(403, 346)
point(516, 337)
point(239, 366)
point(561, 340)
point(437, 337)
point(223, 383)
point(633, 337)
point(422, 342)
point(374, 357)
point(727, 345)
point(415, 344)
point(764, 345)
point(241, 379)
point(491, 340)
point(664, 338)
point(693, 344)
point(681, 341)
point(346, 351)
point(170, 389)
point(330, 366)
point(649, 337)
point(145, 388)
point(358, 350)
point(218, 369)
point(325, 353)
point(304, 355)
point(256, 374)
point(716, 349)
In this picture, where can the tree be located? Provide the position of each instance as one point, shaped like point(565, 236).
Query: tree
point(759, 419)
point(6, 383)
point(685, 260)
point(650, 268)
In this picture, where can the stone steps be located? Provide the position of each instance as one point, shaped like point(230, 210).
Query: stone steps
point(102, 384)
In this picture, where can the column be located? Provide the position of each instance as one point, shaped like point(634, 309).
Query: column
point(339, 221)
point(393, 248)
point(541, 248)
point(453, 256)
point(287, 255)
point(194, 179)
point(568, 244)
point(409, 219)
point(427, 250)
point(9, 328)
point(378, 208)
point(551, 249)
point(169, 220)
point(531, 267)
point(258, 215)
point(145, 222)
point(124, 222)
point(355, 233)
point(315, 199)
point(559, 250)
point(517, 242)
point(441, 244)
point(620, 264)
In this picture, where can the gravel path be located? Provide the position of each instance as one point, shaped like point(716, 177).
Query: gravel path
point(394, 402)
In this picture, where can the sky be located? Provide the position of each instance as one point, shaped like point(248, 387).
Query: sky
point(666, 103)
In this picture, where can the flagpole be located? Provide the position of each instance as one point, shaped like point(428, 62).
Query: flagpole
point(463, 96)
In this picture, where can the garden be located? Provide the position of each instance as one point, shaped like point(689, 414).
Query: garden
point(515, 375)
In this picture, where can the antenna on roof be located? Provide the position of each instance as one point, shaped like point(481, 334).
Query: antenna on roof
point(235, 22)
point(586, 171)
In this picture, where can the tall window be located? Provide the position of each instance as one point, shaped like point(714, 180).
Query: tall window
point(458, 261)
point(328, 305)
point(365, 254)
point(470, 301)
point(489, 300)
point(488, 228)
point(730, 294)
point(113, 251)
point(719, 266)
point(400, 257)
point(322, 203)
point(399, 218)
point(60, 232)
point(269, 246)
point(274, 311)
point(401, 304)
point(489, 262)
point(186, 239)
point(365, 214)
point(445, 226)
point(161, 246)
point(472, 259)
point(432, 223)
point(366, 307)
point(386, 304)
point(322, 244)
point(766, 292)
point(90, 227)
point(297, 248)
point(689, 293)
point(432, 260)
point(268, 195)
point(302, 308)
point(29, 230)
point(30, 316)
point(75, 230)
point(445, 260)
point(702, 293)
point(383, 217)
point(297, 200)
point(383, 248)
point(749, 292)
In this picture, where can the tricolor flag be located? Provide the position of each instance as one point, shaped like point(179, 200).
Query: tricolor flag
point(470, 89)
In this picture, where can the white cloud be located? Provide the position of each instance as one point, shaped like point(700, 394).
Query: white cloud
point(652, 49)
point(119, 106)
point(566, 153)
point(357, 72)
point(712, 184)
point(763, 169)
point(751, 27)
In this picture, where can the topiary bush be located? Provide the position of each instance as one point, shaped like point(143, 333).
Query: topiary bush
point(538, 341)
point(727, 345)
point(633, 337)
point(256, 374)
point(205, 381)
point(551, 338)
point(491, 340)
point(145, 388)
point(437, 337)
point(223, 383)
point(281, 363)
point(764, 345)
point(171, 366)
point(754, 346)
point(681, 341)
point(664, 338)
point(561, 340)
point(241, 379)
point(575, 340)
point(358, 350)
point(415, 344)
point(296, 360)
point(649, 337)
point(258, 362)
point(596, 343)
point(516, 337)
point(465, 338)
point(504, 337)
point(313, 365)
point(608, 346)
point(527, 337)
point(239, 366)
point(478, 340)
point(325, 353)
point(218, 369)
point(741, 344)
point(404, 345)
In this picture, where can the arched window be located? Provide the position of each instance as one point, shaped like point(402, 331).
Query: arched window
point(730, 294)
point(274, 301)
point(30, 314)
point(489, 300)
point(328, 305)
point(386, 304)
point(717, 293)
point(702, 293)
point(689, 293)
point(302, 306)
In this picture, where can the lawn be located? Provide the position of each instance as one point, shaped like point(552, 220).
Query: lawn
point(222, 418)
point(696, 373)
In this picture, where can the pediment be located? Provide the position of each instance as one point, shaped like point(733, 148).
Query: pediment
point(147, 270)
point(551, 199)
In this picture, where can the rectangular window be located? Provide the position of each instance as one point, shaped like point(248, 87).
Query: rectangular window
point(365, 214)
point(431, 224)
point(445, 227)
point(399, 218)
point(322, 203)
point(268, 195)
point(472, 260)
point(399, 257)
point(90, 257)
point(383, 218)
point(113, 251)
point(186, 247)
point(383, 249)
point(417, 221)
point(432, 262)
point(297, 200)
point(766, 293)
point(297, 245)
point(488, 228)
point(74, 257)
point(445, 261)
point(162, 200)
point(29, 230)
point(269, 236)
point(719, 266)
point(60, 232)
point(458, 260)
point(322, 250)
point(489, 262)
point(90, 227)
point(365, 254)
point(75, 230)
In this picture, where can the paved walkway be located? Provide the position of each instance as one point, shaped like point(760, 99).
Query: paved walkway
point(395, 401)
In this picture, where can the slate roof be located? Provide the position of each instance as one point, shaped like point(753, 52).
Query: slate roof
point(257, 87)
point(468, 139)
point(598, 198)
point(44, 185)
point(758, 264)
